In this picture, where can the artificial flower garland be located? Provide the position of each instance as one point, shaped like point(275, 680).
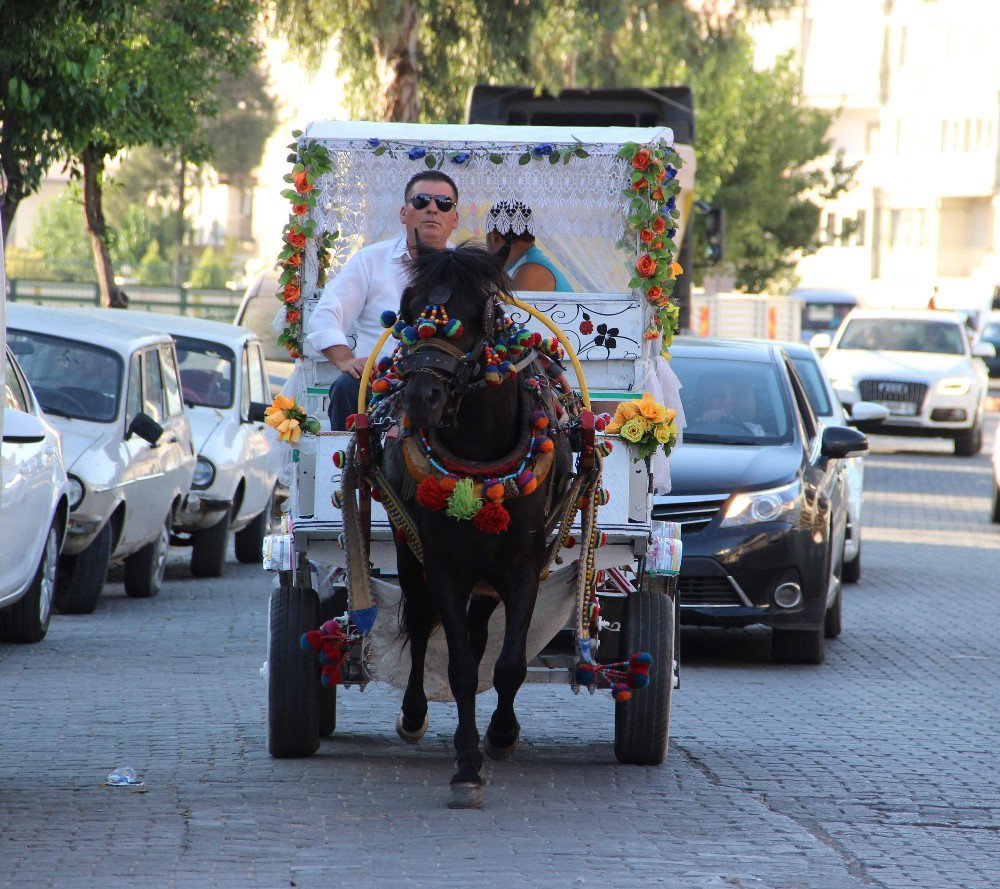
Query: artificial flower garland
point(652, 221)
point(289, 419)
point(310, 161)
point(435, 158)
point(645, 424)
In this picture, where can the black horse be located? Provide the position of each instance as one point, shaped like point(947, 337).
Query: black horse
point(474, 430)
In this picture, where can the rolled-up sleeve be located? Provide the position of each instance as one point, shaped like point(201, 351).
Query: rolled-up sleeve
point(339, 306)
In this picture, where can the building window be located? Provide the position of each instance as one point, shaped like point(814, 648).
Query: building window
point(907, 228)
point(871, 138)
point(831, 229)
point(859, 228)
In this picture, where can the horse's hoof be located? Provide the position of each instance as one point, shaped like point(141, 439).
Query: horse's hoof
point(493, 751)
point(410, 737)
point(465, 795)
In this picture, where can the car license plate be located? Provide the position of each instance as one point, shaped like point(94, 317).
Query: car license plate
point(900, 408)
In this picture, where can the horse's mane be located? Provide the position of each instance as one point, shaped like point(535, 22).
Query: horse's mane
point(469, 270)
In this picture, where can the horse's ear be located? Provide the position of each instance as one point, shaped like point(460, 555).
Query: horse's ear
point(421, 248)
point(503, 254)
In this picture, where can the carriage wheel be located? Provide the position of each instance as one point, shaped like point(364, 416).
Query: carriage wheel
point(293, 686)
point(642, 724)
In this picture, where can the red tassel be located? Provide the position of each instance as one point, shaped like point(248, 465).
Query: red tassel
point(430, 495)
point(492, 518)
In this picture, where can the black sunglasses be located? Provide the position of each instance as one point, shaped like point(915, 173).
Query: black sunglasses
point(421, 200)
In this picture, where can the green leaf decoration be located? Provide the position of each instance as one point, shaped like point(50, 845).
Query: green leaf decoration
point(581, 152)
point(430, 161)
point(554, 158)
point(524, 159)
point(496, 158)
point(381, 149)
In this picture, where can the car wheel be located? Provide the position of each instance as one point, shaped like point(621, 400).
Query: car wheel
point(852, 570)
point(996, 504)
point(798, 646)
point(208, 548)
point(144, 569)
point(27, 620)
point(969, 442)
point(85, 574)
point(250, 540)
point(831, 622)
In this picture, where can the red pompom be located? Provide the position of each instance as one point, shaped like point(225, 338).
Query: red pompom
point(377, 494)
point(570, 542)
point(430, 494)
point(350, 422)
point(314, 638)
point(492, 518)
point(331, 676)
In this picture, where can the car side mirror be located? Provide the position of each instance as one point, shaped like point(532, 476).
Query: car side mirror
point(867, 416)
point(21, 428)
point(821, 342)
point(145, 427)
point(984, 350)
point(839, 441)
point(257, 411)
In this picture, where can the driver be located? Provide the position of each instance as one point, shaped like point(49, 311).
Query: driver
point(733, 401)
point(372, 281)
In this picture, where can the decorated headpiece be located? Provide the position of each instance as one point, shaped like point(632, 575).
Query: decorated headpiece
point(510, 218)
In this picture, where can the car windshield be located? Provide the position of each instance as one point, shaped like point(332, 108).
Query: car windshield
point(903, 335)
point(991, 332)
point(732, 402)
point(207, 371)
point(69, 378)
point(812, 378)
point(819, 316)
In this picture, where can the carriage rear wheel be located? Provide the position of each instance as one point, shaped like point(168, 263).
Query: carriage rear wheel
point(293, 686)
point(642, 724)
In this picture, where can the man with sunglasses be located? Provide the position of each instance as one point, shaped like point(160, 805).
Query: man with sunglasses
point(371, 281)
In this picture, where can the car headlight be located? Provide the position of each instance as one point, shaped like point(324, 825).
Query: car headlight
point(772, 505)
point(954, 385)
point(76, 492)
point(204, 473)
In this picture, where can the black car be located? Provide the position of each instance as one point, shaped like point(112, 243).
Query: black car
point(758, 487)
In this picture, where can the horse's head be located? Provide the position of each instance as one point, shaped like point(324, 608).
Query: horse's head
point(464, 283)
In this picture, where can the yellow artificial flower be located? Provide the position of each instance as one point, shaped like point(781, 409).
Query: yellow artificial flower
point(671, 413)
point(289, 430)
point(645, 423)
point(633, 430)
point(283, 402)
point(613, 427)
point(275, 419)
point(662, 433)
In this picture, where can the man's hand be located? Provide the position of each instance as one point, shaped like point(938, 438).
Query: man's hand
point(343, 358)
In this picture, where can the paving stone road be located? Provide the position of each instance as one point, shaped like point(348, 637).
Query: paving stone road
point(879, 768)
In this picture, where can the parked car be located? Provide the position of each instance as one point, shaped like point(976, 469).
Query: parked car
point(112, 389)
point(991, 334)
point(224, 385)
point(759, 489)
point(823, 310)
point(34, 510)
point(917, 363)
point(830, 412)
point(257, 312)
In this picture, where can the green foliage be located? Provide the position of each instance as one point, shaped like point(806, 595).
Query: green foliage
point(212, 271)
point(153, 271)
point(245, 120)
point(59, 234)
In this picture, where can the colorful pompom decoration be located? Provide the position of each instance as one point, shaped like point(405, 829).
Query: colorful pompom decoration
point(339, 459)
point(430, 494)
point(539, 419)
point(337, 498)
point(463, 504)
point(409, 336)
point(426, 329)
point(621, 692)
point(332, 643)
point(388, 318)
point(586, 674)
point(492, 518)
point(376, 492)
point(453, 328)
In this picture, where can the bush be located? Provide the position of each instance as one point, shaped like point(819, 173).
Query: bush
point(153, 271)
point(212, 271)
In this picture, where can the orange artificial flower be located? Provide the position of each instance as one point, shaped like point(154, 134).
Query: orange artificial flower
point(641, 159)
point(654, 293)
point(294, 260)
point(646, 266)
point(658, 194)
point(292, 291)
point(646, 235)
point(675, 269)
point(300, 209)
point(292, 316)
point(301, 180)
point(658, 245)
point(661, 174)
point(659, 226)
point(638, 186)
point(296, 239)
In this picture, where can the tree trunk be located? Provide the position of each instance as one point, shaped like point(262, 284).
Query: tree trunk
point(181, 210)
point(7, 210)
point(93, 210)
point(397, 67)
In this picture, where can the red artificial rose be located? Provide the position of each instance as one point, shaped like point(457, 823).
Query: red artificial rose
point(657, 246)
point(300, 209)
point(296, 239)
point(661, 174)
point(302, 185)
point(292, 291)
point(658, 194)
point(294, 260)
point(659, 226)
point(292, 317)
point(639, 186)
point(646, 266)
point(586, 328)
point(641, 159)
point(646, 236)
point(654, 293)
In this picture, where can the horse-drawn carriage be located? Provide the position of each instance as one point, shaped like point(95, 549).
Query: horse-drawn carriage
point(394, 506)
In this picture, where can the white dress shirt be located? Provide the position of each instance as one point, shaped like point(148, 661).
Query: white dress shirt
point(370, 282)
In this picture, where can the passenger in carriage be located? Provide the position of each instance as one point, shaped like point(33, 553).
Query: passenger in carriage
point(510, 223)
point(372, 281)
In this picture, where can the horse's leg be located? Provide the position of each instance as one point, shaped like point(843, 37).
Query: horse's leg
point(512, 664)
point(480, 611)
point(451, 600)
point(418, 618)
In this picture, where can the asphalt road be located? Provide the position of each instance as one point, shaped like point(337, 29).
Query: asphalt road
point(879, 768)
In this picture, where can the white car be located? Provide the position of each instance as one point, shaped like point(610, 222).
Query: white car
point(34, 509)
point(829, 412)
point(224, 384)
point(112, 389)
point(918, 364)
point(257, 311)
